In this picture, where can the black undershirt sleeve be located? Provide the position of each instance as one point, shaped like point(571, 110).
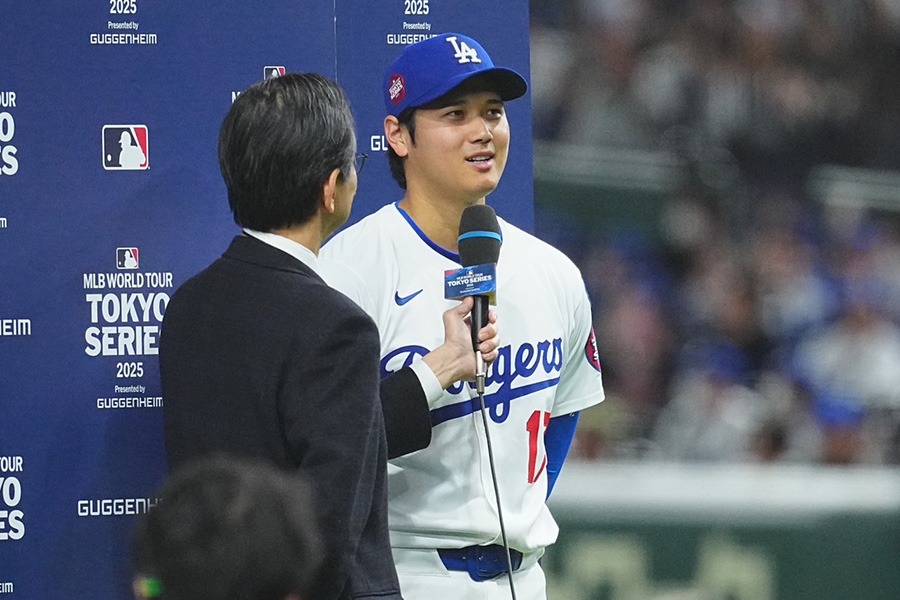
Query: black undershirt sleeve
point(407, 420)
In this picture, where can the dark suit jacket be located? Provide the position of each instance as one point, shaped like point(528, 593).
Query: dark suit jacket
point(260, 358)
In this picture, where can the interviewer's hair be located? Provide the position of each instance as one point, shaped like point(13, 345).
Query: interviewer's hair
point(228, 530)
point(279, 143)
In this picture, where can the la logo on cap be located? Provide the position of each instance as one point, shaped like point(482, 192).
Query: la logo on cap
point(397, 91)
point(464, 53)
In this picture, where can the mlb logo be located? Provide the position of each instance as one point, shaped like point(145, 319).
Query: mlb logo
point(272, 72)
point(127, 258)
point(125, 148)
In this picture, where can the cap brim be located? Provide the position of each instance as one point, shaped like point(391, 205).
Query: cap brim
point(506, 82)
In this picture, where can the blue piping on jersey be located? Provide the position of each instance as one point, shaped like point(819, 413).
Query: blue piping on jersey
point(467, 407)
point(442, 251)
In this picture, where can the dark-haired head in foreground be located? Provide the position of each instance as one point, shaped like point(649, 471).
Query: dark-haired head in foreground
point(227, 530)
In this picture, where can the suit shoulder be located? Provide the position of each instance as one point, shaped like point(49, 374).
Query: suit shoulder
point(328, 303)
point(318, 296)
point(195, 285)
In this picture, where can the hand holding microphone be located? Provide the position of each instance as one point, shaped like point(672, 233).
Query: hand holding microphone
point(454, 361)
point(467, 347)
point(479, 245)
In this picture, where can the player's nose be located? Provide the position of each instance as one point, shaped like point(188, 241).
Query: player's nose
point(482, 130)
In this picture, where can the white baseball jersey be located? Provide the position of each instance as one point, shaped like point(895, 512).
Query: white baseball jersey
point(442, 496)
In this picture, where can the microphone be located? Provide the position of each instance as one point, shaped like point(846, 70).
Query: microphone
point(479, 244)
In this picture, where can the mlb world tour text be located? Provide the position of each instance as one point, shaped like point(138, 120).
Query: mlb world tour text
point(125, 323)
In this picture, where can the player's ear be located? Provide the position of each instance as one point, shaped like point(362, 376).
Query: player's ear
point(394, 134)
point(328, 190)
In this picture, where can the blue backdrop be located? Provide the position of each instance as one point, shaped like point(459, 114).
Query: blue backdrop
point(110, 197)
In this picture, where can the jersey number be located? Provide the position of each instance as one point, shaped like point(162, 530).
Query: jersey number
point(536, 426)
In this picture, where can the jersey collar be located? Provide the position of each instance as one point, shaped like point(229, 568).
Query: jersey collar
point(442, 251)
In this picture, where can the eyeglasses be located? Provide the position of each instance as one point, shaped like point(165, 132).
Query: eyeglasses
point(360, 162)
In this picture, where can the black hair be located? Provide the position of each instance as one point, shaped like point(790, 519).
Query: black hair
point(279, 143)
point(228, 529)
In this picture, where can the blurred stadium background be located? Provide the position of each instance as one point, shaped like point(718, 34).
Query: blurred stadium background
point(726, 173)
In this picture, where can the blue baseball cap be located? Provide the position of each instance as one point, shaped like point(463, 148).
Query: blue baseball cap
point(427, 70)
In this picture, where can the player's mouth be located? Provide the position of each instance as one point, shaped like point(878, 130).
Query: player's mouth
point(483, 161)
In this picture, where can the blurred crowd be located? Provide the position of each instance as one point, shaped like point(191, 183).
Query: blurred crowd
point(756, 322)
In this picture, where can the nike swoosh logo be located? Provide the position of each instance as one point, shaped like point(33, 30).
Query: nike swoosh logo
point(404, 299)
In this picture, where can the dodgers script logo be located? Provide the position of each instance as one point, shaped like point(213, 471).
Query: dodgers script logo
point(532, 368)
point(125, 148)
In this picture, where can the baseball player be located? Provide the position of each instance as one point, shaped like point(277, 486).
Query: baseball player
point(449, 139)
